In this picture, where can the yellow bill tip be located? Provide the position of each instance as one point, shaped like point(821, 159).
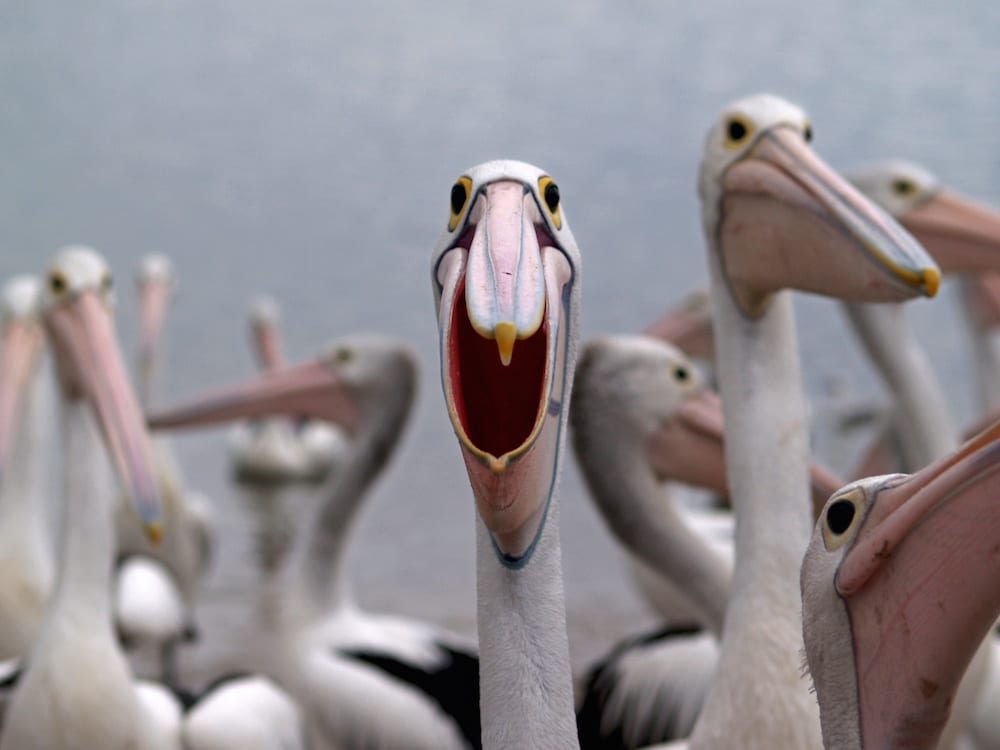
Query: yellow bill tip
point(505, 333)
point(154, 532)
point(498, 465)
point(932, 280)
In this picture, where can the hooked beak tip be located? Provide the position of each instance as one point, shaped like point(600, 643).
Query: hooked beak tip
point(154, 532)
point(505, 334)
point(932, 280)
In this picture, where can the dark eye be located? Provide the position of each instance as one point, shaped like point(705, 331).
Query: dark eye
point(737, 130)
point(458, 197)
point(839, 516)
point(808, 133)
point(552, 196)
point(904, 187)
point(57, 282)
point(344, 355)
point(681, 374)
point(107, 282)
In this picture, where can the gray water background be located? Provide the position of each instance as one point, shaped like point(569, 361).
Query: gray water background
point(307, 149)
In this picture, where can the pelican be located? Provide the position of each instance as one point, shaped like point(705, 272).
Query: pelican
point(641, 412)
point(642, 419)
point(964, 239)
point(777, 218)
point(77, 692)
point(505, 274)
point(26, 556)
point(155, 587)
point(280, 450)
point(361, 680)
point(898, 590)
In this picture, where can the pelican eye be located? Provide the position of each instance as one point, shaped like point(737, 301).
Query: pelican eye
point(343, 355)
point(904, 187)
point(107, 282)
point(681, 374)
point(460, 193)
point(738, 130)
point(57, 282)
point(807, 133)
point(840, 517)
point(550, 194)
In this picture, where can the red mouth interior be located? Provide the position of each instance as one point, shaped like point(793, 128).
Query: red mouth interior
point(497, 406)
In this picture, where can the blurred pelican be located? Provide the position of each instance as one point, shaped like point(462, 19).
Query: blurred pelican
point(77, 692)
point(278, 449)
point(27, 560)
point(155, 587)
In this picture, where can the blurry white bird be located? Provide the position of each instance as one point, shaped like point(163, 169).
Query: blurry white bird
point(279, 449)
point(27, 559)
point(156, 586)
point(77, 692)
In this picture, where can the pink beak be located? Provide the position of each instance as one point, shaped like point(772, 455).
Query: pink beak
point(920, 587)
point(962, 236)
point(690, 448)
point(22, 346)
point(310, 390)
point(90, 366)
point(154, 297)
point(783, 208)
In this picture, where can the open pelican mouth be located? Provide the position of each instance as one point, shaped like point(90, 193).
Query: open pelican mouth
point(501, 316)
point(499, 408)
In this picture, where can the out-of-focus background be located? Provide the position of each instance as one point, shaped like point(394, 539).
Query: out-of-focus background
point(307, 149)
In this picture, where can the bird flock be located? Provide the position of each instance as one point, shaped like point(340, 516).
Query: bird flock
point(800, 609)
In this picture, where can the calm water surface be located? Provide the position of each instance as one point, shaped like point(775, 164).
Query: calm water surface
point(307, 149)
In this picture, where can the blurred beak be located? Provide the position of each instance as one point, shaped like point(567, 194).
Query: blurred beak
point(154, 297)
point(90, 366)
point(984, 303)
point(267, 344)
point(689, 328)
point(963, 236)
point(22, 344)
point(310, 390)
point(920, 587)
point(791, 222)
point(690, 448)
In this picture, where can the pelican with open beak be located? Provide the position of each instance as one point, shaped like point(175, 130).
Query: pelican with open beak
point(899, 589)
point(505, 277)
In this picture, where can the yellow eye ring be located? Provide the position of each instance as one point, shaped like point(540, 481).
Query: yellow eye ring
point(549, 190)
point(841, 517)
point(738, 131)
point(461, 191)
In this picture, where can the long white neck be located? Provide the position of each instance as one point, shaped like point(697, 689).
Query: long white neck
point(86, 535)
point(644, 516)
point(758, 698)
point(322, 577)
point(24, 510)
point(985, 355)
point(924, 422)
point(525, 684)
